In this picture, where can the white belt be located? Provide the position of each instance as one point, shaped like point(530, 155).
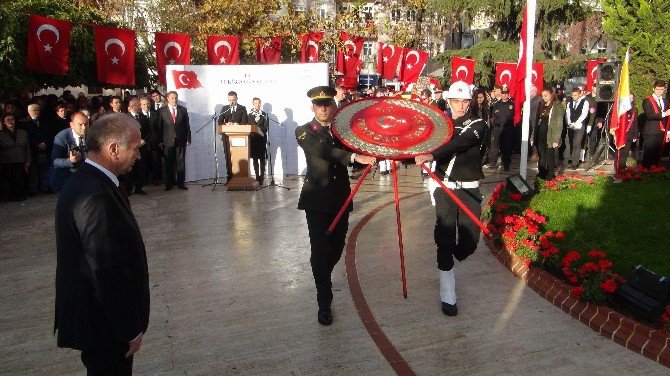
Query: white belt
point(462, 184)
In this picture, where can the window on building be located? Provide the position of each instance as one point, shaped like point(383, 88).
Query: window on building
point(368, 48)
point(323, 11)
point(396, 15)
point(601, 47)
point(368, 11)
point(411, 15)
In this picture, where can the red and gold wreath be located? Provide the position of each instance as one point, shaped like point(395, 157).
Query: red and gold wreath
point(392, 128)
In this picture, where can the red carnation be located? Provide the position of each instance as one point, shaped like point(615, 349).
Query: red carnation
point(515, 196)
point(609, 286)
point(577, 292)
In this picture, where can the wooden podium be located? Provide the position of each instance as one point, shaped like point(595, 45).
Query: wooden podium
point(239, 142)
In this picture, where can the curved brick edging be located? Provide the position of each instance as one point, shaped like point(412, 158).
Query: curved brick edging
point(653, 344)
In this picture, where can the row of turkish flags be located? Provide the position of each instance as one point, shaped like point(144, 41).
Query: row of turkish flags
point(49, 42)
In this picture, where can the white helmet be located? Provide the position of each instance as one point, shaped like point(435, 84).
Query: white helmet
point(459, 90)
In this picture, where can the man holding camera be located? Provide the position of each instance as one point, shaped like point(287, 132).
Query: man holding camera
point(69, 151)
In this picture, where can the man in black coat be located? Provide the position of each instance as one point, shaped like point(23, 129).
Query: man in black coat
point(258, 150)
point(324, 191)
point(102, 278)
point(41, 140)
point(155, 152)
point(233, 113)
point(175, 135)
point(137, 177)
point(459, 165)
point(655, 131)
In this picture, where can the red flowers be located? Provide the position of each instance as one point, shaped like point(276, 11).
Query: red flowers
point(570, 257)
point(640, 173)
point(609, 286)
point(577, 291)
point(515, 196)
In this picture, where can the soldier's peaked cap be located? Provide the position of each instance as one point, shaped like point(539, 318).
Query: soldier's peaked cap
point(321, 95)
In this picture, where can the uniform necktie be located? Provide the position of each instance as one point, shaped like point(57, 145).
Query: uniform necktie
point(174, 116)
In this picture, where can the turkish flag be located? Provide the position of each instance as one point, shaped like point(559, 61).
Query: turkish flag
point(349, 59)
point(537, 76)
point(115, 52)
point(388, 59)
point(462, 70)
point(311, 47)
point(185, 80)
point(171, 49)
point(268, 50)
point(413, 62)
point(223, 50)
point(48, 45)
point(592, 72)
point(505, 74)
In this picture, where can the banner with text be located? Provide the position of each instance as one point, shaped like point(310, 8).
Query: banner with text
point(282, 89)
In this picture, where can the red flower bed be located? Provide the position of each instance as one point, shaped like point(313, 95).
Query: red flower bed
point(521, 231)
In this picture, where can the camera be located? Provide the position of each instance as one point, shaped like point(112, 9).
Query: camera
point(74, 149)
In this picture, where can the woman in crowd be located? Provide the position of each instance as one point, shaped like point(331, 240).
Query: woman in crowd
point(546, 135)
point(480, 109)
point(14, 158)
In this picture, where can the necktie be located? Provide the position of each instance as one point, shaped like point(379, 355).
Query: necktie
point(660, 104)
point(137, 117)
point(81, 141)
point(174, 116)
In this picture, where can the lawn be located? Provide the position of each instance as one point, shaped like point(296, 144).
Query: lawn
point(628, 221)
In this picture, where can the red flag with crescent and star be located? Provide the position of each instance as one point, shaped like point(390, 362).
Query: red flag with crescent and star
point(48, 45)
point(413, 62)
point(505, 74)
point(592, 72)
point(115, 52)
point(171, 49)
point(462, 70)
point(185, 80)
point(388, 58)
point(223, 50)
point(311, 47)
point(349, 59)
point(537, 76)
point(268, 50)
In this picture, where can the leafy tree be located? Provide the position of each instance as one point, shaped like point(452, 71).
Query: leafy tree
point(506, 17)
point(642, 26)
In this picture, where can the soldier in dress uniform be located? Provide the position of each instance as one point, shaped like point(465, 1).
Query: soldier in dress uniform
point(325, 189)
point(459, 165)
point(502, 130)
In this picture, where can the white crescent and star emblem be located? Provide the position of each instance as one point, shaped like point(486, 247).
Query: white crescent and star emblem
point(118, 42)
point(352, 44)
point(183, 79)
point(53, 29)
point(224, 43)
point(504, 73)
point(412, 53)
point(316, 49)
point(594, 71)
point(533, 73)
point(462, 68)
point(387, 122)
point(167, 47)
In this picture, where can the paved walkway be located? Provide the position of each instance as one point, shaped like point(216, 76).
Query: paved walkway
point(232, 294)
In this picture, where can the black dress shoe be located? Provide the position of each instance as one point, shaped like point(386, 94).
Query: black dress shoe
point(449, 309)
point(168, 188)
point(140, 192)
point(325, 316)
point(183, 187)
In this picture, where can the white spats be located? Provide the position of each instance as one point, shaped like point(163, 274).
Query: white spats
point(448, 286)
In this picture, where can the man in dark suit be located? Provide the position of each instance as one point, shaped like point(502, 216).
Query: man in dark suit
point(102, 279)
point(68, 152)
point(438, 101)
point(41, 140)
point(258, 145)
point(155, 160)
point(324, 191)
point(175, 135)
point(233, 113)
point(655, 131)
point(137, 177)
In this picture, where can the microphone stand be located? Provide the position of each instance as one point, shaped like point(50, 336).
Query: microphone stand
point(268, 153)
point(216, 156)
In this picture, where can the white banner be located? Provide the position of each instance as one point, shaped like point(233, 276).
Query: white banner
point(282, 89)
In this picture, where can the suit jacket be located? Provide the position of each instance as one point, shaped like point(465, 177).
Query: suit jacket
point(102, 279)
point(174, 133)
point(145, 130)
point(153, 130)
point(14, 151)
point(326, 185)
point(61, 167)
point(655, 122)
point(38, 132)
point(239, 116)
point(258, 143)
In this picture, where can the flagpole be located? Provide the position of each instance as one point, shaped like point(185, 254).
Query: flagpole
point(525, 123)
